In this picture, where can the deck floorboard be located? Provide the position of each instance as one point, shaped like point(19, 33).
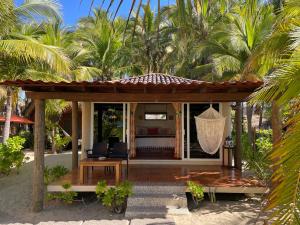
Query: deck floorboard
point(223, 179)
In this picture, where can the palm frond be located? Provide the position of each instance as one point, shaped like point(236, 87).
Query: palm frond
point(29, 51)
point(49, 9)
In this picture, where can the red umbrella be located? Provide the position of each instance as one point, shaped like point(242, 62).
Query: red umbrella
point(17, 119)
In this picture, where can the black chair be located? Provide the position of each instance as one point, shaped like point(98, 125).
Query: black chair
point(112, 141)
point(120, 151)
point(99, 150)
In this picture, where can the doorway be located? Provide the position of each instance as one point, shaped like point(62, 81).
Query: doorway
point(155, 131)
point(109, 123)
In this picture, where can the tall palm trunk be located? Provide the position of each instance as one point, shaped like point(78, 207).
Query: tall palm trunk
point(249, 123)
point(276, 129)
point(53, 147)
point(261, 113)
point(276, 123)
point(6, 130)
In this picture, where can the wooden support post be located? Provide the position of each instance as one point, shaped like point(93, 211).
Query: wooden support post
point(239, 130)
point(133, 107)
point(177, 152)
point(39, 149)
point(74, 135)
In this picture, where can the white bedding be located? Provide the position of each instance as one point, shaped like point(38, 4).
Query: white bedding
point(155, 142)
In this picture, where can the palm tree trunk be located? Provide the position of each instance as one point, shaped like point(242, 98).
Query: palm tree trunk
point(277, 131)
point(53, 147)
point(276, 123)
point(6, 130)
point(249, 123)
point(261, 112)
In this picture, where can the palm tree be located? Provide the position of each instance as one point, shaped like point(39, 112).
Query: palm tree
point(279, 60)
point(233, 41)
point(147, 43)
point(14, 59)
point(95, 44)
point(194, 23)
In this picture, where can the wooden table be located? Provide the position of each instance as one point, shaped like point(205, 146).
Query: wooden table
point(117, 163)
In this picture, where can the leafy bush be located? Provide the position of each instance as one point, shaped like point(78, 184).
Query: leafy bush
point(52, 174)
point(196, 190)
point(67, 196)
point(257, 160)
point(112, 197)
point(61, 142)
point(11, 154)
point(28, 138)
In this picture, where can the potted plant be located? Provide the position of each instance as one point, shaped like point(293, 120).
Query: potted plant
point(114, 198)
point(195, 195)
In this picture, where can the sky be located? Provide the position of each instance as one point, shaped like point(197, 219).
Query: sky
point(72, 10)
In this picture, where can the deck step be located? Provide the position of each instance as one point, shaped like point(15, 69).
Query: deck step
point(159, 189)
point(156, 202)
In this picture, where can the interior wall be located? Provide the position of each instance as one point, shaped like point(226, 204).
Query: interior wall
point(155, 107)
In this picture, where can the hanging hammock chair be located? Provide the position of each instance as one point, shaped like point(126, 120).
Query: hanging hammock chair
point(210, 130)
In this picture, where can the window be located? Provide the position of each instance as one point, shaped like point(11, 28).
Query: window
point(155, 116)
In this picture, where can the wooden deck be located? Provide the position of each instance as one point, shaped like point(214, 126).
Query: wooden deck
point(216, 179)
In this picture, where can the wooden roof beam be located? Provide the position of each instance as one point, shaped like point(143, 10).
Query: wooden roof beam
point(141, 97)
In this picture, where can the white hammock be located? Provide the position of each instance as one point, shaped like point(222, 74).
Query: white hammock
point(210, 129)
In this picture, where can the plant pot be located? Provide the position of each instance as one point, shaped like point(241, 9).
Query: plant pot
point(192, 203)
point(120, 208)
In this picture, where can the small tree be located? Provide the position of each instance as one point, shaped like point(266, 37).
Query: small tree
point(54, 111)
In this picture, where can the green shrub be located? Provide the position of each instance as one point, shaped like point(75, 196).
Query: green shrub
point(61, 142)
point(11, 154)
point(113, 196)
point(196, 190)
point(257, 160)
point(67, 196)
point(52, 174)
point(28, 138)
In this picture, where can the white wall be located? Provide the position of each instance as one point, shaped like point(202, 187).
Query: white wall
point(87, 127)
point(141, 122)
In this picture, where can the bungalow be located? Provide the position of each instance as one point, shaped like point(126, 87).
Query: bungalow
point(153, 114)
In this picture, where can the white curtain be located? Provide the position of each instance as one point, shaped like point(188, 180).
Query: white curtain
point(210, 129)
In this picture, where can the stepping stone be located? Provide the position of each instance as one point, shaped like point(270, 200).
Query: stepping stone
point(154, 221)
point(157, 201)
point(106, 222)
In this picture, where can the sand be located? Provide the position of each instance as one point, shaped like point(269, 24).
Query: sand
point(15, 202)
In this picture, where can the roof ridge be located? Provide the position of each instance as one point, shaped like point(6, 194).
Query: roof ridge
point(155, 74)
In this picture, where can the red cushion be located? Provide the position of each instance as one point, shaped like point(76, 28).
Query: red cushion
point(153, 131)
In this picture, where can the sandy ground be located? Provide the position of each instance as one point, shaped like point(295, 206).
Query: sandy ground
point(15, 202)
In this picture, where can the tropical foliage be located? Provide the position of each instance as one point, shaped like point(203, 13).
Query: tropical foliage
point(53, 173)
point(114, 197)
point(67, 196)
point(281, 63)
point(11, 154)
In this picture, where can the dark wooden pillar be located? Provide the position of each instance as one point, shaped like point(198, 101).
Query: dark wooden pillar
point(177, 150)
point(74, 135)
point(39, 149)
point(239, 130)
point(100, 128)
point(133, 107)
